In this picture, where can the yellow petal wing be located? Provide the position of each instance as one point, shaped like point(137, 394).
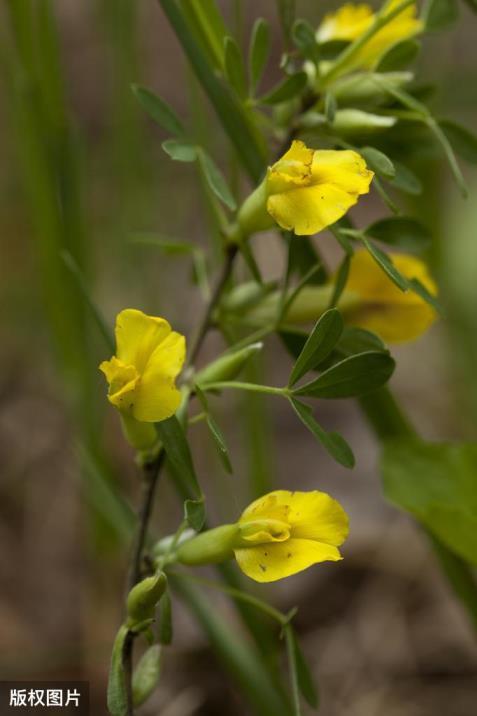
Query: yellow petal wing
point(315, 515)
point(157, 396)
point(269, 562)
point(347, 23)
point(138, 335)
point(342, 168)
point(310, 209)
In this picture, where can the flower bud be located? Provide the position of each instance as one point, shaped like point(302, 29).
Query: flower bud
point(142, 436)
point(143, 597)
point(146, 674)
point(366, 87)
point(210, 547)
point(348, 122)
point(253, 216)
point(227, 366)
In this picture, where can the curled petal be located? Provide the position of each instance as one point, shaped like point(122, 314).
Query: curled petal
point(269, 562)
point(157, 396)
point(138, 335)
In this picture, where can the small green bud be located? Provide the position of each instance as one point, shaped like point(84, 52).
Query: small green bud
point(142, 599)
point(354, 121)
point(146, 674)
point(253, 216)
point(227, 366)
point(142, 436)
point(210, 547)
point(365, 87)
point(246, 295)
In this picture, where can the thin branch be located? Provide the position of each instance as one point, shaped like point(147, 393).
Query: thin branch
point(219, 286)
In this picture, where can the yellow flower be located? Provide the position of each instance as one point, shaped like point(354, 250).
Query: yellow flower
point(351, 21)
point(278, 535)
point(375, 303)
point(286, 532)
point(142, 374)
point(306, 190)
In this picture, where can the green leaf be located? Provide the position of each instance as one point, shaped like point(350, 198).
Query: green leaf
point(259, 51)
point(194, 513)
point(333, 443)
point(378, 162)
point(302, 679)
point(234, 67)
point(216, 180)
point(386, 264)
point(402, 232)
point(85, 292)
point(180, 151)
point(146, 674)
point(319, 345)
point(405, 180)
point(178, 453)
point(351, 377)
point(289, 88)
point(220, 443)
point(304, 39)
point(330, 107)
point(358, 340)
point(439, 14)
point(165, 619)
point(463, 141)
point(419, 288)
point(158, 110)
point(341, 279)
point(436, 483)
point(286, 13)
point(446, 146)
point(117, 692)
point(399, 56)
point(236, 121)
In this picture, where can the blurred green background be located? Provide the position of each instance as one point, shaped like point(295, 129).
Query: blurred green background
point(82, 174)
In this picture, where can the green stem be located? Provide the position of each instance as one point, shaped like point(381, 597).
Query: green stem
point(237, 385)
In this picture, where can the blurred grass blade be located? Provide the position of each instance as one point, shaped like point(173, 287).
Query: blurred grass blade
point(259, 52)
point(234, 653)
point(302, 679)
point(209, 27)
point(236, 122)
point(80, 281)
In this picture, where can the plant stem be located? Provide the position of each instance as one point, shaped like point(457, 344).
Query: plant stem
point(253, 387)
point(151, 470)
point(150, 476)
point(204, 324)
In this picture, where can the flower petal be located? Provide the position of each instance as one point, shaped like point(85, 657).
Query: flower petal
point(157, 396)
point(347, 23)
point(310, 209)
point(269, 562)
point(394, 315)
point(123, 380)
point(138, 335)
point(267, 507)
point(291, 170)
point(315, 515)
point(342, 168)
